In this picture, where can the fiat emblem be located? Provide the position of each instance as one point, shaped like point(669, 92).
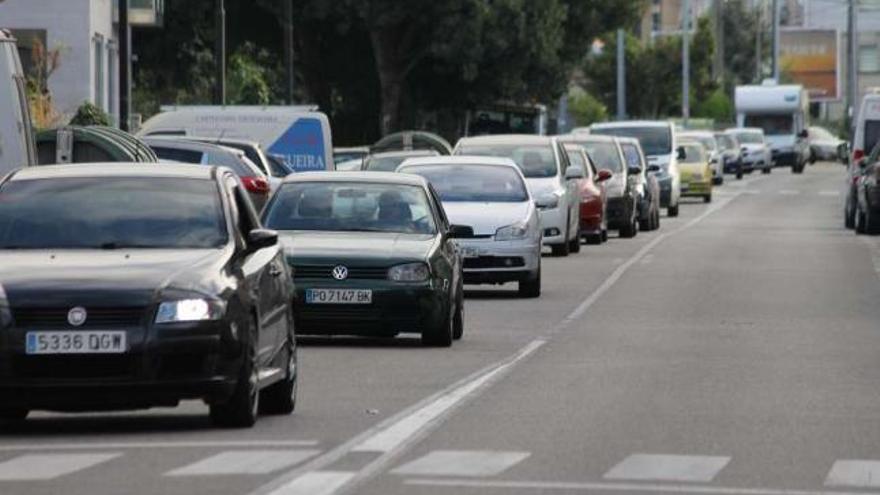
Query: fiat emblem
point(77, 316)
point(340, 272)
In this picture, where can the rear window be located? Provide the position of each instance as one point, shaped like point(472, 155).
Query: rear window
point(473, 183)
point(872, 134)
point(631, 153)
point(176, 155)
point(535, 161)
point(655, 140)
point(604, 155)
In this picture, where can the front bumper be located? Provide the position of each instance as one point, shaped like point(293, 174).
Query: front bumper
point(395, 308)
point(553, 223)
point(487, 261)
point(163, 365)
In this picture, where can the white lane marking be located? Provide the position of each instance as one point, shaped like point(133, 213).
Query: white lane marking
point(316, 483)
point(160, 445)
point(34, 467)
point(829, 193)
point(620, 487)
point(653, 467)
point(789, 192)
point(854, 473)
point(462, 463)
point(245, 462)
point(752, 192)
point(392, 436)
point(403, 431)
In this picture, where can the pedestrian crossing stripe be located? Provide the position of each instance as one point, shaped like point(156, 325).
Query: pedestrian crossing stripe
point(35, 467)
point(681, 468)
point(244, 462)
point(462, 463)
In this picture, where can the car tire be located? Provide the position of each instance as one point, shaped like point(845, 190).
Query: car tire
point(766, 170)
point(645, 225)
point(849, 215)
point(859, 221)
point(280, 398)
point(242, 409)
point(574, 246)
point(458, 317)
point(739, 172)
point(707, 198)
point(442, 334)
point(531, 287)
point(872, 223)
point(562, 250)
point(657, 219)
point(594, 239)
point(630, 230)
point(672, 211)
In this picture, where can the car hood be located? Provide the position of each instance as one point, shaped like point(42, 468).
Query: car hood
point(118, 277)
point(486, 218)
point(542, 186)
point(370, 247)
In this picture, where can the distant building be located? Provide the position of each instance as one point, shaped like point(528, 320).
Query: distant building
point(663, 17)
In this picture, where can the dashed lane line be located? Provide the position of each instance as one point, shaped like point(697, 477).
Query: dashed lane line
point(158, 445)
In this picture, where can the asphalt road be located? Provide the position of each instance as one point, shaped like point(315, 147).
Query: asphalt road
point(735, 350)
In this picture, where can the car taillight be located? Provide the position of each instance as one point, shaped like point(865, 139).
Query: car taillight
point(858, 155)
point(257, 185)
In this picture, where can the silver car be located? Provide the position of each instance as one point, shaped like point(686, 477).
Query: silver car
point(490, 196)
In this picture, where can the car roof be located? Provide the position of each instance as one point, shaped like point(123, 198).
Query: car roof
point(632, 123)
point(507, 139)
point(696, 134)
point(583, 137)
point(399, 153)
point(116, 169)
point(376, 177)
point(745, 129)
point(185, 144)
point(461, 160)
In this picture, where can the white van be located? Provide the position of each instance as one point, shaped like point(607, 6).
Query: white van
point(867, 131)
point(299, 136)
point(782, 112)
point(16, 134)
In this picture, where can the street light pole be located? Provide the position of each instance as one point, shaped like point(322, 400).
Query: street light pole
point(685, 62)
point(124, 66)
point(621, 75)
point(288, 49)
point(220, 54)
point(852, 87)
point(775, 6)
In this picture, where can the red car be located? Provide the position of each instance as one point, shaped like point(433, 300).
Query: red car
point(592, 193)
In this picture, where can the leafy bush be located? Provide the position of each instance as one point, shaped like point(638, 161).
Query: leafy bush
point(585, 108)
point(89, 114)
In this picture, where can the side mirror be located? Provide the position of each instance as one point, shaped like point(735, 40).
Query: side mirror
point(261, 238)
point(575, 172)
point(680, 153)
point(634, 170)
point(603, 175)
point(653, 168)
point(843, 152)
point(460, 231)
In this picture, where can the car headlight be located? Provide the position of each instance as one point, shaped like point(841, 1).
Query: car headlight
point(411, 272)
point(547, 201)
point(190, 310)
point(510, 232)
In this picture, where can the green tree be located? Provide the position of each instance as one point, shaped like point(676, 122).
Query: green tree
point(585, 109)
point(250, 77)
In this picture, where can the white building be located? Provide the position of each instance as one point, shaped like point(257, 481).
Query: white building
point(85, 32)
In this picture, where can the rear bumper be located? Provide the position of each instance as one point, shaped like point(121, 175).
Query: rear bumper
point(695, 188)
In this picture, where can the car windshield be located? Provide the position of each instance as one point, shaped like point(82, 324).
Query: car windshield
point(474, 183)
point(534, 161)
point(351, 207)
point(655, 140)
point(693, 153)
point(604, 155)
point(750, 137)
point(725, 142)
point(772, 124)
point(109, 213)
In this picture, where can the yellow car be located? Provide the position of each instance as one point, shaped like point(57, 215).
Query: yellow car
point(696, 174)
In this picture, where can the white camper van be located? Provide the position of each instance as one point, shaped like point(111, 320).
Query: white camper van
point(16, 133)
point(782, 111)
point(299, 136)
point(867, 126)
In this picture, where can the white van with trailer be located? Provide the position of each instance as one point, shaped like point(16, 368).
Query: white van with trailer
point(299, 136)
point(16, 134)
point(867, 126)
point(782, 111)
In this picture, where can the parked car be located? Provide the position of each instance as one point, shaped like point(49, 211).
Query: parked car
point(594, 229)
point(151, 295)
point(755, 151)
point(490, 196)
point(251, 149)
point(171, 149)
point(731, 154)
point(545, 165)
point(372, 254)
point(696, 174)
point(867, 196)
point(649, 189)
point(867, 126)
point(622, 195)
point(390, 160)
point(707, 139)
point(659, 142)
point(824, 145)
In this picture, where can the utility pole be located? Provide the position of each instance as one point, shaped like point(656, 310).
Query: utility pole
point(759, 73)
point(288, 49)
point(220, 54)
point(719, 40)
point(775, 18)
point(124, 66)
point(685, 62)
point(621, 75)
point(852, 87)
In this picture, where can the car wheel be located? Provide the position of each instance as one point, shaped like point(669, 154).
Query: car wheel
point(458, 318)
point(280, 398)
point(672, 211)
point(645, 225)
point(441, 334)
point(766, 170)
point(594, 239)
point(657, 218)
point(629, 231)
point(531, 287)
point(849, 215)
point(739, 172)
point(604, 235)
point(574, 246)
point(859, 221)
point(872, 225)
point(562, 249)
point(707, 198)
point(242, 409)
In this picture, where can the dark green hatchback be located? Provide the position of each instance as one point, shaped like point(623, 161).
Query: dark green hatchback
point(372, 255)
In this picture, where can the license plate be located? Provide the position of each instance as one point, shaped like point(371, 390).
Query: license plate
point(339, 296)
point(79, 342)
point(470, 252)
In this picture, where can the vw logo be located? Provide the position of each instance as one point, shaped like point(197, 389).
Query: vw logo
point(340, 272)
point(77, 316)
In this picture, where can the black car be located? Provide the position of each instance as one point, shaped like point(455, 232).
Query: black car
point(867, 194)
point(129, 286)
point(373, 254)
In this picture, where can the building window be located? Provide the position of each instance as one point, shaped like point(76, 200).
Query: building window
point(869, 58)
point(655, 22)
point(98, 49)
